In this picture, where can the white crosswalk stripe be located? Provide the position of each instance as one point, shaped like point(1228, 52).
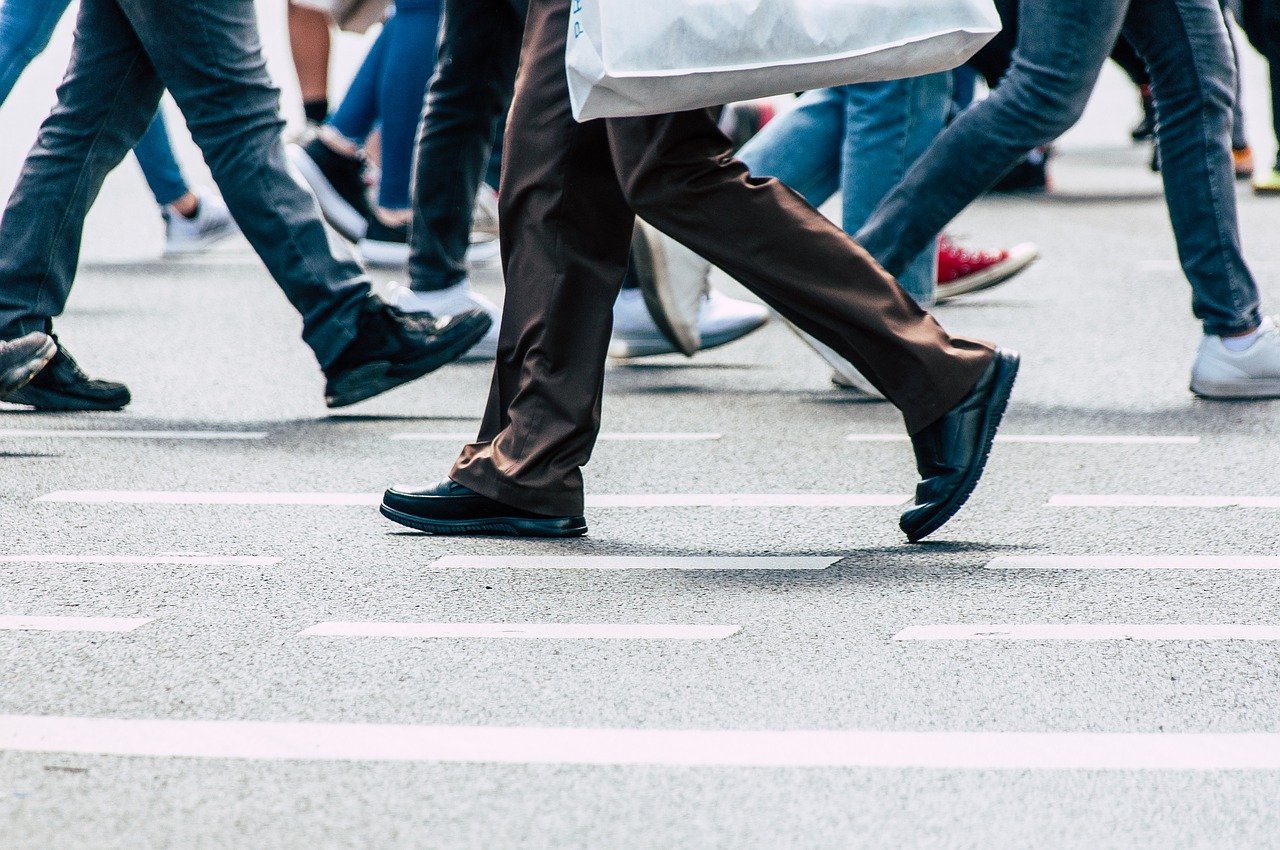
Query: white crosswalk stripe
point(637, 500)
point(1135, 562)
point(525, 631)
point(633, 562)
point(21, 623)
point(660, 747)
point(1159, 501)
point(1089, 632)
point(144, 560)
point(1050, 439)
point(607, 436)
point(87, 434)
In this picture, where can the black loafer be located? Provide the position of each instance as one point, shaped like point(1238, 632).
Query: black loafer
point(952, 452)
point(450, 508)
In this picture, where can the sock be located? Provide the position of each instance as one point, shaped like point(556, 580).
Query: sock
point(316, 110)
point(1243, 343)
point(195, 212)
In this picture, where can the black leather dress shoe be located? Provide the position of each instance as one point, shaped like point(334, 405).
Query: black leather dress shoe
point(450, 508)
point(952, 452)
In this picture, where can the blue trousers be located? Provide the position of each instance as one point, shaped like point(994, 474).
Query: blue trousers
point(25, 29)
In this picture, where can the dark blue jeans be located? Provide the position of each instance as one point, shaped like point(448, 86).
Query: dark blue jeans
point(1060, 50)
point(388, 90)
point(25, 29)
point(208, 54)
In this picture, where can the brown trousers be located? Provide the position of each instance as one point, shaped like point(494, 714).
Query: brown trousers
point(570, 194)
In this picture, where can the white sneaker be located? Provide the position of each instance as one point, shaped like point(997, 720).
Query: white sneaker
point(212, 224)
point(844, 374)
point(449, 302)
point(675, 282)
point(1253, 373)
point(721, 320)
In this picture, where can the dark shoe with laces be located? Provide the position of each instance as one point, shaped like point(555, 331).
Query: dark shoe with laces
point(337, 182)
point(952, 452)
point(62, 386)
point(385, 245)
point(448, 508)
point(23, 358)
point(392, 348)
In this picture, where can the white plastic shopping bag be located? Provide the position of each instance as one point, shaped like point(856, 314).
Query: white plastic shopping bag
point(645, 57)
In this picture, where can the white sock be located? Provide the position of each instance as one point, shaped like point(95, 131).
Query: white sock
point(1244, 343)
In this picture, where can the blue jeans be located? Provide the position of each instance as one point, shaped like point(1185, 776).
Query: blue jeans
point(388, 91)
point(858, 140)
point(25, 29)
point(1060, 50)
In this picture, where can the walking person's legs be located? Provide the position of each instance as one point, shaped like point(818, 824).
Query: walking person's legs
point(25, 29)
point(570, 193)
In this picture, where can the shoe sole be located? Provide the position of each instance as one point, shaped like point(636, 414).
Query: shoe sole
point(17, 377)
point(658, 345)
point(494, 526)
point(376, 378)
point(204, 243)
point(344, 218)
point(994, 276)
point(659, 298)
point(1006, 374)
point(1236, 390)
point(843, 369)
point(384, 255)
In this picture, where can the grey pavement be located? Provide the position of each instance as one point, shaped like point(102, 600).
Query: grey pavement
point(208, 344)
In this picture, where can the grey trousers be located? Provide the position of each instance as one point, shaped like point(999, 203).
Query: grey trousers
point(209, 55)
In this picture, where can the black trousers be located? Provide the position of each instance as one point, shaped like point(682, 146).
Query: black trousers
point(466, 104)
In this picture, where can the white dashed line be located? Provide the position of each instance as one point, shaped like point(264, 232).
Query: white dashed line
point(1135, 562)
point(16, 623)
point(1133, 501)
point(646, 500)
point(1088, 632)
point(622, 562)
point(525, 631)
point(144, 560)
point(658, 747)
point(615, 436)
point(135, 435)
point(1051, 439)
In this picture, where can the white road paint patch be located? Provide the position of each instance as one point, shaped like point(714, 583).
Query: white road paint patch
point(1135, 562)
point(18, 623)
point(647, 500)
point(658, 747)
point(134, 435)
point(625, 562)
point(1054, 439)
point(608, 436)
point(1134, 501)
point(144, 560)
point(525, 631)
point(1089, 632)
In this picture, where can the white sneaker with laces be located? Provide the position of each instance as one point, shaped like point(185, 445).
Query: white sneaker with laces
point(721, 320)
point(1222, 373)
point(212, 224)
point(449, 302)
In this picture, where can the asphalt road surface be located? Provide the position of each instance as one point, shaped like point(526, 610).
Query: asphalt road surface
point(209, 638)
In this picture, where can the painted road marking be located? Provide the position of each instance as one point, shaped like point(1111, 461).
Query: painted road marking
point(136, 435)
point(626, 562)
point(656, 500)
point(660, 747)
point(1135, 562)
point(1090, 631)
point(1131, 501)
point(19, 623)
point(609, 436)
point(525, 631)
point(1050, 439)
point(157, 560)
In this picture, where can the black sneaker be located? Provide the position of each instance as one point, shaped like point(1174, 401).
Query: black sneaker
point(385, 246)
point(22, 359)
point(1030, 176)
point(337, 181)
point(1146, 128)
point(392, 348)
point(61, 386)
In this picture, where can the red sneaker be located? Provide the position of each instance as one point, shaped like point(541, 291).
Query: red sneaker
point(962, 271)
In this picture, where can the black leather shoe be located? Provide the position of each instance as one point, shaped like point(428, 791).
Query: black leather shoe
point(62, 386)
point(450, 508)
point(22, 359)
point(393, 347)
point(951, 452)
